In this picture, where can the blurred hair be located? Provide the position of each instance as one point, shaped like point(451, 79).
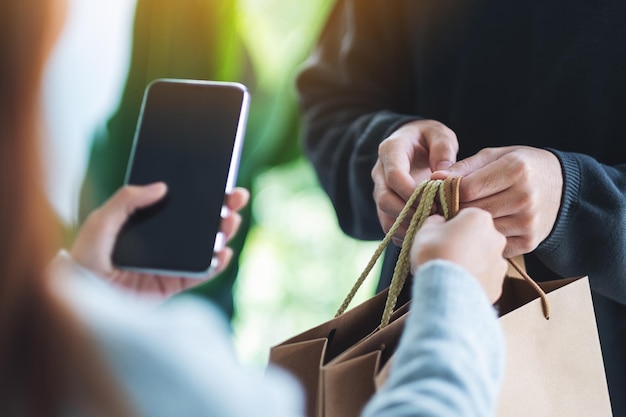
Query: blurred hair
point(45, 352)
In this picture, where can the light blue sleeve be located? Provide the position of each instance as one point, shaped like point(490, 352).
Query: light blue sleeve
point(450, 359)
point(177, 360)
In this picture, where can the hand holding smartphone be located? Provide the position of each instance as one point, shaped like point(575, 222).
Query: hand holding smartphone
point(189, 135)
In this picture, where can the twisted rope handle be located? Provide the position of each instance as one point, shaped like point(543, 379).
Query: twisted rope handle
point(448, 192)
point(381, 247)
point(425, 192)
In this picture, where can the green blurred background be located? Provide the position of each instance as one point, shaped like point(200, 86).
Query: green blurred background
point(293, 266)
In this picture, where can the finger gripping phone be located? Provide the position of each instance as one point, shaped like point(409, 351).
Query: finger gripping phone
point(189, 135)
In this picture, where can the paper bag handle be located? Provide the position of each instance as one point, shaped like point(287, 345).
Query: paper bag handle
point(448, 192)
point(544, 299)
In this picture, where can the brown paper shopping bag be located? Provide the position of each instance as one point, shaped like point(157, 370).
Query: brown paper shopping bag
point(349, 381)
point(306, 354)
point(554, 364)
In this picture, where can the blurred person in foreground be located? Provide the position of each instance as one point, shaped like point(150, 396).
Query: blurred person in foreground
point(78, 337)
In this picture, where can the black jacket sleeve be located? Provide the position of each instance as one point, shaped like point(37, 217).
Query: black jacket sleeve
point(359, 86)
point(589, 236)
point(353, 94)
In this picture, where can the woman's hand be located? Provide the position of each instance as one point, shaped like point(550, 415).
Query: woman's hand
point(469, 240)
point(94, 243)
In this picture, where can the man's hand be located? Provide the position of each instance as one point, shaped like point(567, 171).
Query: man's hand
point(520, 186)
point(406, 158)
point(469, 240)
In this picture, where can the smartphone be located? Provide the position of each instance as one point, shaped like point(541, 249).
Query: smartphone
point(189, 135)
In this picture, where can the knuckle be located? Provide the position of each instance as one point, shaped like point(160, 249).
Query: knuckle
point(434, 124)
point(385, 204)
point(385, 221)
point(526, 243)
point(440, 130)
point(488, 153)
point(386, 145)
point(519, 167)
point(526, 223)
point(513, 247)
point(394, 178)
point(376, 170)
point(445, 131)
point(125, 192)
point(96, 217)
point(501, 241)
point(463, 166)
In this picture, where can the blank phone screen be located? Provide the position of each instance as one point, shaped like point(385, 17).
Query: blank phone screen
point(185, 138)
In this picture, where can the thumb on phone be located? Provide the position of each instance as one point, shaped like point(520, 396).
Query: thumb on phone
point(95, 240)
